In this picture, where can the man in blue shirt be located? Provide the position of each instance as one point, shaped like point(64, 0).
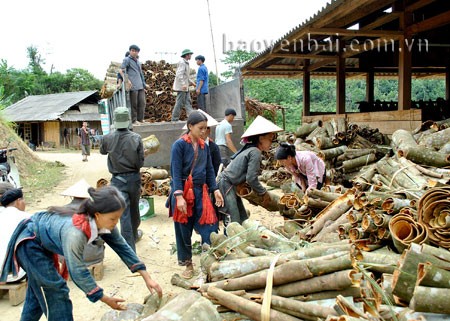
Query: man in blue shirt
point(202, 82)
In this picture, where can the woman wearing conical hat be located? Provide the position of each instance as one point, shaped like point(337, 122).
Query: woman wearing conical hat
point(245, 167)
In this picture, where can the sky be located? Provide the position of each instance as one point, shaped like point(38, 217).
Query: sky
point(90, 34)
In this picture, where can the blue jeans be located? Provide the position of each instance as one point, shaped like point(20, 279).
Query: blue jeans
point(47, 291)
point(130, 186)
point(183, 100)
point(183, 232)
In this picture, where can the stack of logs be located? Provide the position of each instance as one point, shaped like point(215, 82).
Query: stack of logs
point(155, 182)
point(110, 82)
point(160, 98)
point(398, 199)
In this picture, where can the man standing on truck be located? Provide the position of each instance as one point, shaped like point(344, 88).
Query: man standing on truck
point(135, 84)
point(181, 86)
point(125, 152)
point(202, 82)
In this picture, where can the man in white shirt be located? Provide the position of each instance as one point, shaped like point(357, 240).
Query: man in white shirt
point(223, 136)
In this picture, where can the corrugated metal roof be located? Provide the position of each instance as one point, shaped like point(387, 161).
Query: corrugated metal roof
point(47, 107)
point(80, 117)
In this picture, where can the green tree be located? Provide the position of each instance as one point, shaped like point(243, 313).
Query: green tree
point(81, 79)
point(235, 59)
point(213, 80)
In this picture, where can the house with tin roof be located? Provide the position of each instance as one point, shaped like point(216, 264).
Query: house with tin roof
point(54, 119)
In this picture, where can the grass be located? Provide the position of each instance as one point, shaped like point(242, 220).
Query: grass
point(42, 178)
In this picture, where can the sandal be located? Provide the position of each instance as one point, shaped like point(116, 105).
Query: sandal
point(187, 274)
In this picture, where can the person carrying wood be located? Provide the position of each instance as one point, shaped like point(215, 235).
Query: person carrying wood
point(245, 167)
point(307, 169)
point(181, 86)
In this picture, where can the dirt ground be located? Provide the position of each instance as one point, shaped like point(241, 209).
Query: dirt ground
point(154, 249)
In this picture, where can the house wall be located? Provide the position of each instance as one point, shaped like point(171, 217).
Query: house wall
point(52, 133)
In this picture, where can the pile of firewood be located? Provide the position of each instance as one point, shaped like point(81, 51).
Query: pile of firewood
point(256, 108)
point(110, 82)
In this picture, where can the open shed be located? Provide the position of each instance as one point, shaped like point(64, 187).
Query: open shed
point(404, 39)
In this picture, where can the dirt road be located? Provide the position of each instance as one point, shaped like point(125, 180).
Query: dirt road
point(154, 248)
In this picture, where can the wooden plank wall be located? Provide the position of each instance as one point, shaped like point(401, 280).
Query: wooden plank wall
point(386, 121)
point(52, 133)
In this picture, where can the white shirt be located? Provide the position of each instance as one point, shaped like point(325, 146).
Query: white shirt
point(222, 129)
point(10, 218)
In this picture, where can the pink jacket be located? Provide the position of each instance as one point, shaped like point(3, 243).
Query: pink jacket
point(309, 165)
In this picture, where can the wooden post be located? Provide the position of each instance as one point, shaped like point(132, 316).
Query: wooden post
point(370, 84)
point(404, 65)
point(447, 83)
point(340, 79)
point(306, 89)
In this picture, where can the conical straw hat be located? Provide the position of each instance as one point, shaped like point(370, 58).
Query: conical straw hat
point(261, 126)
point(211, 121)
point(79, 190)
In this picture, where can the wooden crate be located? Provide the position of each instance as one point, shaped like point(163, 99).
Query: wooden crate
point(16, 292)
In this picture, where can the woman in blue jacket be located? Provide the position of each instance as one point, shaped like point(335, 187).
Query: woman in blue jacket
point(193, 178)
point(38, 241)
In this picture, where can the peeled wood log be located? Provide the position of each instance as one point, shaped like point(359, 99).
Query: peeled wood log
point(408, 148)
point(177, 280)
point(352, 291)
point(235, 268)
point(265, 238)
point(436, 140)
point(405, 276)
point(358, 162)
point(381, 260)
point(432, 276)
point(305, 310)
point(331, 152)
point(330, 229)
point(244, 306)
point(286, 273)
point(334, 281)
point(306, 128)
point(188, 305)
point(362, 181)
point(428, 299)
point(325, 196)
point(332, 212)
point(245, 191)
point(317, 251)
point(324, 142)
point(315, 203)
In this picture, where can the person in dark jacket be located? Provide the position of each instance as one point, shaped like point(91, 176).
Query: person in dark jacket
point(245, 167)
point(193, 179)
point(125, 152)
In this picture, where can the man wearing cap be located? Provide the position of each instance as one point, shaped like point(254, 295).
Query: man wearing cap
point(125, 152)
point(181, 86)
point(202, 82)
point(135, 84)
point(223, 136)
